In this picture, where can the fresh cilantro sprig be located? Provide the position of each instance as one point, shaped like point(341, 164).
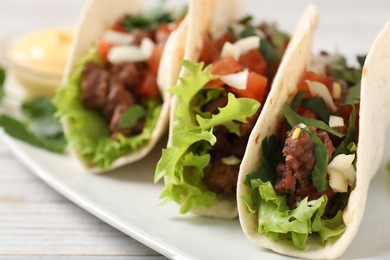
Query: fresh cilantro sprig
point(40, 128)
point(2, 79)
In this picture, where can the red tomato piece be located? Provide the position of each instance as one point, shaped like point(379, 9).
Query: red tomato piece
point(312, 76)
point(117, 26)
point(154, 60)
point(148, 86)
point(253, 61)
point(224, 66)
point(211, 49)
point(255, 87)
point(306, 112)
point(103, 50)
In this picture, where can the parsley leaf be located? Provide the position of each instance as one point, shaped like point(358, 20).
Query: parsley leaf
point(317, 104)
point(351, 136)
point(40, 128)
point(131, 116)
point(353, 95)
point(268, 52)
point(320, 168)
point(271, 148)
point(2, 79)
point(294, 119)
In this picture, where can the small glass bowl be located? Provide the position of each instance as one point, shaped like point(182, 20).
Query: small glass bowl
point(34, 80)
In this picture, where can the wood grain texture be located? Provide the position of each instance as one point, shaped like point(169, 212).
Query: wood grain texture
point(37, 221)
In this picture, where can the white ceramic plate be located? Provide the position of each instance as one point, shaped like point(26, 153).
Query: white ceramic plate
point(128, 200)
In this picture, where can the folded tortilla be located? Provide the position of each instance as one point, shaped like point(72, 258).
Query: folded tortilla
point(95, 19)
point(206, 17)
point(214, 19)
point(374, 95)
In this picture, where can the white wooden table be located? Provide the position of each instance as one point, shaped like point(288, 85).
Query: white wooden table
point(36, 221)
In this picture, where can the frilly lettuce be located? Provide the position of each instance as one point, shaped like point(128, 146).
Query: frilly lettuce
point(279, 222)
point(88, 131)
point(192, 137)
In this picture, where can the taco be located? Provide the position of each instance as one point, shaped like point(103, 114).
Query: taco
point(112, 102)
point(303, 182)
point(228, 68)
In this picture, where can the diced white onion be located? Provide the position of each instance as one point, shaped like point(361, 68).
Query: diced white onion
point(319, 89)
point(247, 44)
point(342, 165)
point(231, 160)
point(147, 46)
point(350, 174)
point(237, 80)
point(125, 53)
point(337, 181)
point(230, 49)
point(341, 162)
point(117, 38)
point(336, 121)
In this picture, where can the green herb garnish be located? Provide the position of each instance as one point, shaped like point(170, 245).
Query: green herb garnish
point(294, 119)
point(131, 116)
point(321, 154)
point(40, 128)
point(2, 79)
point(268, 52)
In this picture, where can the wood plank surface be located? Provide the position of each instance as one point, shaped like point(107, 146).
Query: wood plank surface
point(37, 221)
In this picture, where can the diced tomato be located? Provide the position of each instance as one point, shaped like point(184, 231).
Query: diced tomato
point(253, 61)
point(103, 49)
point(255, 87)
point(312, 76)
point(306, 112)
point(211, 49)
point(148, 86)
point(224, 66)
point(154, 60)
point(117, 26)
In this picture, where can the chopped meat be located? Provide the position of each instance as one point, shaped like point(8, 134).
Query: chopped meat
point(214, 105)
point(129, 74)
point(220, 177)
point(327, 142)
point(118, 112)
point(299, 152)
point(94, 86)
point(118, 95)
point(246, 129)
point(285, 182)
point(139, 35)
point(294, 176)
point(222, 148)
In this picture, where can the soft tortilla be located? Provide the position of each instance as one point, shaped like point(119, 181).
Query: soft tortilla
point(97, 16)
point(208, 17)
point(375, 81)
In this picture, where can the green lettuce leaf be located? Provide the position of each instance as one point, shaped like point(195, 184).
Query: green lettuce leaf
point(233, 111)
point(88, 131)
point(277, 221)
point(192, 137)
